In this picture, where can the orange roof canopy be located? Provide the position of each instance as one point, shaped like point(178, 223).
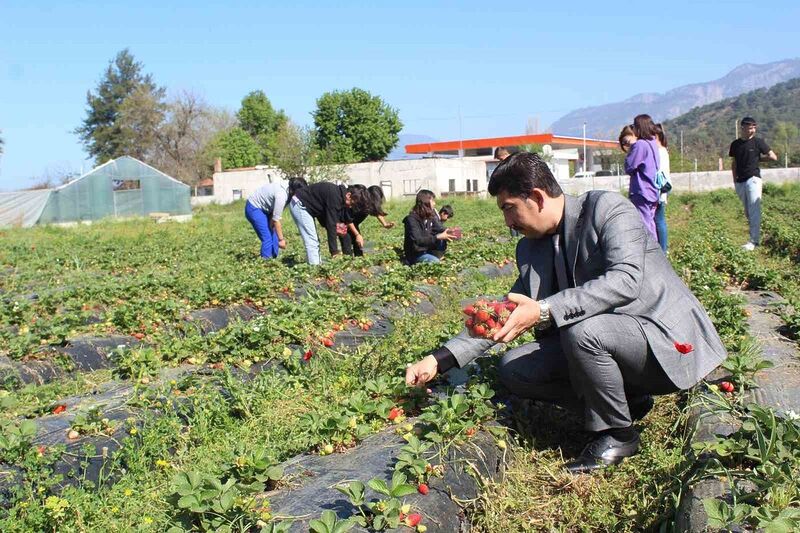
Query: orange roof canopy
point(514, 140)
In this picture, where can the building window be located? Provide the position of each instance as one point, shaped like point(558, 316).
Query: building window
point(410, 187)
point(451, 186)
point(237, 194)
point(474, 185)
point(469, 185)
point(126, 185)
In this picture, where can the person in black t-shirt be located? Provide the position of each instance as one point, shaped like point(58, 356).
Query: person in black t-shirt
point(746, 152)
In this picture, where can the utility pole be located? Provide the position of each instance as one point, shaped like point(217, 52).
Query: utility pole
point(584, 147)
point(736, 128)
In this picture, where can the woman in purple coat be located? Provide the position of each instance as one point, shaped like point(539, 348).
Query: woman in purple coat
point(641, 164)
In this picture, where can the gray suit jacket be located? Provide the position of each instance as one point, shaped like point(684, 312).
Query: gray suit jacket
point(617, 268)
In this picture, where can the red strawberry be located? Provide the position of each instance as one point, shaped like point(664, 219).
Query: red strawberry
point(423, 489)
point(683, 347)
point(491, 324)
point(138, 336)
point(479, 330)
point(470, 432)
point(413, 519)
point(482, 316)
point(327, 342)
point(40, 450)
point(726, 386)
point(511, 306)
point(307, 355)
point(469, 310)
point(469, 323)
point(394, 412)
point(60, 408)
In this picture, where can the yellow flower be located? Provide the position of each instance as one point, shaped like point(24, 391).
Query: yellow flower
point(147, 520)
point(161, 463)
point(128, 492)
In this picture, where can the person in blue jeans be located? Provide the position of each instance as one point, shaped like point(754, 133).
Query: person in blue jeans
point(332, 205)
point(263, 209)
point(747, 151)
point(661, 210)
point(420, 242)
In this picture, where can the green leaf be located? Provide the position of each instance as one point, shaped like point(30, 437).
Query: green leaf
point(379, 486)
point(403, 490)
point(717, 512)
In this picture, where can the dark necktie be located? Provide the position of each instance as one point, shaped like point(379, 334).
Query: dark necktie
point(558, 259)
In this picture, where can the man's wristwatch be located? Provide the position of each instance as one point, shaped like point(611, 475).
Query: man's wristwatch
point(544, 315)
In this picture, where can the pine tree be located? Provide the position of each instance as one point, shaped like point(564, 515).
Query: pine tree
point(103, 133)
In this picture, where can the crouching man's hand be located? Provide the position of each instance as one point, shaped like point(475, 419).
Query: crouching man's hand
point(523, 318)
point(421, 372)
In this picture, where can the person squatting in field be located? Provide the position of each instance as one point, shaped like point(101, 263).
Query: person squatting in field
point(332, 205)
point(423, 230)
point(615, 324)
point(264, 208)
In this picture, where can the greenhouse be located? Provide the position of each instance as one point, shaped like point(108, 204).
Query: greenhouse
point(121, 188)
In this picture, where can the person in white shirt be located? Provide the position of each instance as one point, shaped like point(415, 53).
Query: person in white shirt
point(661, 210)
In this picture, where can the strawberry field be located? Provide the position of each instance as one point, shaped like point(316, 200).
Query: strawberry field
point(159, 377)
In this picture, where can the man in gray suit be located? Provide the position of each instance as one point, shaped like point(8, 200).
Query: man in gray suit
point(614, 323)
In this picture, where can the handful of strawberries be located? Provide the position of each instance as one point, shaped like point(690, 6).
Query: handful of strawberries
point(485, 318)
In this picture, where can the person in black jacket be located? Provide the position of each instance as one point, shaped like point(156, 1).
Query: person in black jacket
point(423, 230)
point(372, 206)
point(330, 204)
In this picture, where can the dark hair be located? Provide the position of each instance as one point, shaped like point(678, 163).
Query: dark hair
point(422, 207)
point(360, 199)
point(295, 184)
point(500, 150)
point(447, 210)
point(749, 121)
point(376, 192)
point(662, 136)
point(520, 173)
point(627, 131)
point(644, 128)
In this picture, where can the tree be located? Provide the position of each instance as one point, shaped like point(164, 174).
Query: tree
point(236, 149)
point(102, 131)
point(52, 177)
point(355, 126)
point(138, 120)
point(184, 137)
point(258, 118)
point(296, 154)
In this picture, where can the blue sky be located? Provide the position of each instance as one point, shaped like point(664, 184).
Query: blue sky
point(497, 64)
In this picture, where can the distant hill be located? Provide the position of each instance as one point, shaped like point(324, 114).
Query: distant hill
point(399, 151)
point(709, 130)
point(605, 121)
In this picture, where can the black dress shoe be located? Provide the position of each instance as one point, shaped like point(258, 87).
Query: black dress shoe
point(603, 451)
point(640, 406)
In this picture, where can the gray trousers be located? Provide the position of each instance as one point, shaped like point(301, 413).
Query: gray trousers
point(600, 363)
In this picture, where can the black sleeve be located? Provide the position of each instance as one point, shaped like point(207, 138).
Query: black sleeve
point(331, 213)
point(731, 153)
point(445, 360)
point(422, 239)
point(763, 147)
point(437, 227)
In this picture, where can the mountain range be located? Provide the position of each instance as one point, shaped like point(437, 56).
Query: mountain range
point(605, 121)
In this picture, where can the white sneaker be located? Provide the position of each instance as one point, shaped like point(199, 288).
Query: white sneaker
point(749, 246)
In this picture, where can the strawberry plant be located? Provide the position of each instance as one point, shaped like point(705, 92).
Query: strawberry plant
point(207, 503)
point(15, 440)
point(384, 513)
point(329, 523)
